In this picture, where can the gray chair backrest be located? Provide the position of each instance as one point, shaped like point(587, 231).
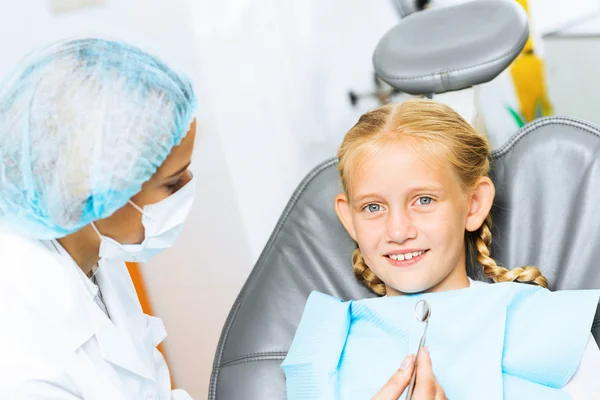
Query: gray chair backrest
point(547, 213)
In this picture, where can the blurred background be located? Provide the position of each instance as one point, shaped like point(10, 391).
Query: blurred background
point(279, 84)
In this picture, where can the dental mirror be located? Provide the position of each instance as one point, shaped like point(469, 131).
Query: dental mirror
point(422, 313)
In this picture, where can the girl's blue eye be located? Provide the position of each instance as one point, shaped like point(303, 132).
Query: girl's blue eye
point(372, 208)
point(424, 200)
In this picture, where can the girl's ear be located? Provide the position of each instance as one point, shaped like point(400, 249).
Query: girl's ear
point(344, 212)
point(480, 203)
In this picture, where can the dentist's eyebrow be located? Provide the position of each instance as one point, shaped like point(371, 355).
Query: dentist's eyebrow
point(178, 172)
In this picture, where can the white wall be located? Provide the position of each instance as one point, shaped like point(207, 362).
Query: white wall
point(573, 58)
point(555, 15)
point(572, 64)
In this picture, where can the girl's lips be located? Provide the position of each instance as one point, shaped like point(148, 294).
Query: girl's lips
point(405, 262)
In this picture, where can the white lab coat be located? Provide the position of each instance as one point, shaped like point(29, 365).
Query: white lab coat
point(57, 343)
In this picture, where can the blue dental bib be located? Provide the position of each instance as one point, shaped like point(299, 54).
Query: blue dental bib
point(493, 342)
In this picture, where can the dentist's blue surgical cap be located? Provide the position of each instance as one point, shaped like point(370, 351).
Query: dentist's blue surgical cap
point(83, 124)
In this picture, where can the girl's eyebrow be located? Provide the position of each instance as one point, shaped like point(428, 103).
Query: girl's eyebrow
point(427, 188)
point(362, 197)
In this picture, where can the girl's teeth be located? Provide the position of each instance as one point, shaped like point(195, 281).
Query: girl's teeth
point(407, 256)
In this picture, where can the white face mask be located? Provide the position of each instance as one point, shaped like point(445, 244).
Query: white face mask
point(163, 224)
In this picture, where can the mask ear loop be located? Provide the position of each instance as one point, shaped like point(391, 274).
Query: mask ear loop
point(140, 209)
point(136, 207)
point(130, 202)
point(96, 229)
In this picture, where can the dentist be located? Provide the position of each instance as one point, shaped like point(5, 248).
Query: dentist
point(96, 137)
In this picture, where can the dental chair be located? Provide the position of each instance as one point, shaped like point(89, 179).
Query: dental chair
point(546, 212)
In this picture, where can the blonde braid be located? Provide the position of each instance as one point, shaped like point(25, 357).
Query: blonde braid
point(364, 274)
point(526, 274)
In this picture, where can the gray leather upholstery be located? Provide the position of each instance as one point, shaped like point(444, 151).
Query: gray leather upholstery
point(452, 48)
point(546, 214)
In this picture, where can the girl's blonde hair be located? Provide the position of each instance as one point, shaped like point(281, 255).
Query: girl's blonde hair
point(439, 129)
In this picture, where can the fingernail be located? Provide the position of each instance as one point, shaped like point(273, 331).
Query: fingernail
point(426, 349)
point(406, 363)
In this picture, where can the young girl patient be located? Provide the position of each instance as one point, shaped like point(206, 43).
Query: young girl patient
point(416, 200)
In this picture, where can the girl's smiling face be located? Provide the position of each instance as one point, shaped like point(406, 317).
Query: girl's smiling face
point(408, 212)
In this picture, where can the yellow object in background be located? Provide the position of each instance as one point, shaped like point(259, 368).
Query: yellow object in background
point(527, 72)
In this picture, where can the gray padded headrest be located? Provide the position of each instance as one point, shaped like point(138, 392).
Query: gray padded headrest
point(452, 48)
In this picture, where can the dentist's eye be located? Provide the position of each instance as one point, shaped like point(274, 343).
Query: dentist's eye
point(175, 186)
point(372, 208)
point(424, 201)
